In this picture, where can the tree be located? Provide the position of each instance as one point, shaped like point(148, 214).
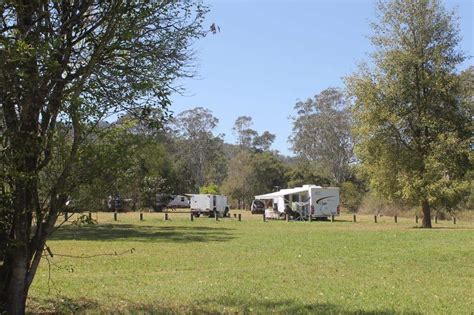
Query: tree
point(70, 64)
point(122, 159)
point(321, 132)
point(411, 126)
point(238, 183)
point(211, 189)
point(195, 142)
point(251, 174)
point(304, 172)
point(264, 141)
point(269, 172)
point(249, 139)
point(243, 132)
point(351, 196)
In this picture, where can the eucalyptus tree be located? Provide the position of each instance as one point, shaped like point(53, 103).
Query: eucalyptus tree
point(72, 63)
point(322, 133)
point(253, 173)
point(248, 138)
point(243, 131)
point(411, 126)
point(200, 150)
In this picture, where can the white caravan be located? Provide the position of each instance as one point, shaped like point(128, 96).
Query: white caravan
point(303, 202)
point(209, 205)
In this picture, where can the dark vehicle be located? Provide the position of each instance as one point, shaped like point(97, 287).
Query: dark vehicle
point(118, 204)
point(257, 207)
point(161, 202)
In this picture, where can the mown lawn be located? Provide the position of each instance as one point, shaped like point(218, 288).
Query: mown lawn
point(252, 266)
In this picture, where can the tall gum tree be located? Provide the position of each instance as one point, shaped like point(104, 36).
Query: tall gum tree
point(321, 133)
point(71, 63)
point(197, 145)
point(411, 123)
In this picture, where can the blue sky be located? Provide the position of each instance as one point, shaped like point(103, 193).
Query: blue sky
point(269, 54)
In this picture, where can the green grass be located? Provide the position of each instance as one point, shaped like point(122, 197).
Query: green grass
point(228, 266)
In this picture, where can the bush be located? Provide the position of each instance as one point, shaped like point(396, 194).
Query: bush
point(372, 204)
point(351, 196)
point(211, 189)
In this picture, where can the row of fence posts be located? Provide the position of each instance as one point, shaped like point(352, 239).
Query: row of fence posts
point(191, 215)
point(239, 216)
point(416, 219)
point(354, 219)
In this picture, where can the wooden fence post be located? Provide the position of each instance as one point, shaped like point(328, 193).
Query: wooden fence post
point(65, 216)
point(396, 219)
point(192, 216)
point(216, 216)
point(141, 216)
point(332, 218)
point(416, 219)
point(235, 215)
point(166, 216)
point(115, 216)
point(240, 217)
point(454, 220)
point(90, 215)
point(287, 217)
point(355, 218)
point(375, 218)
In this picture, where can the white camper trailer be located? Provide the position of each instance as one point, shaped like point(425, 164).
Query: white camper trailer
point(164, 201)
point(178, 201)
point(209, 205)
point(303, 202)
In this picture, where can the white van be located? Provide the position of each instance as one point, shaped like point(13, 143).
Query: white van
point(308, 201)
point(210, 205)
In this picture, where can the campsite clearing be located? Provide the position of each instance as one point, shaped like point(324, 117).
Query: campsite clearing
point(226, 266)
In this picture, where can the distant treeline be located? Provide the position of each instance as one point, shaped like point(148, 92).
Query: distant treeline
point(136, 160)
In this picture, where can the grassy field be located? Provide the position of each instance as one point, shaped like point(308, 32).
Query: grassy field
point(204, 266)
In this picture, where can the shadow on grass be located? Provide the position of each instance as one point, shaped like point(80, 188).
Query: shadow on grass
point(460, 228)
point(61, 305)
point(341, 220)
point(121, 232)
point(209, 306)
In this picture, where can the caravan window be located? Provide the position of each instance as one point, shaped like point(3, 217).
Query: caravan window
point(182, 199)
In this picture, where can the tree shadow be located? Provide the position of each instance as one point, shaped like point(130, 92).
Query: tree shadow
point(143, 233)
point(222, 305)
point(461, 228)
point(287, 306)
point(341, 220)
point(60, 305)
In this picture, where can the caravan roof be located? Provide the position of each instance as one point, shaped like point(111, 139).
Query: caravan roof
point(285, 192)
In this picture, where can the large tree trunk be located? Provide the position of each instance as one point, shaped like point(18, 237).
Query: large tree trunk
point(17, 274)
point(15, 290)
point(23, 255)
point(425, 207)
point(23, 252)
point(14, 271)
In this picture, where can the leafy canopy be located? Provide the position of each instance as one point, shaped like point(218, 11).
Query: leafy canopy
point(410, 121)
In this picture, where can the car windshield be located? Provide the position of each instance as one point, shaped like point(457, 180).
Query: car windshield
point(259, 204)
